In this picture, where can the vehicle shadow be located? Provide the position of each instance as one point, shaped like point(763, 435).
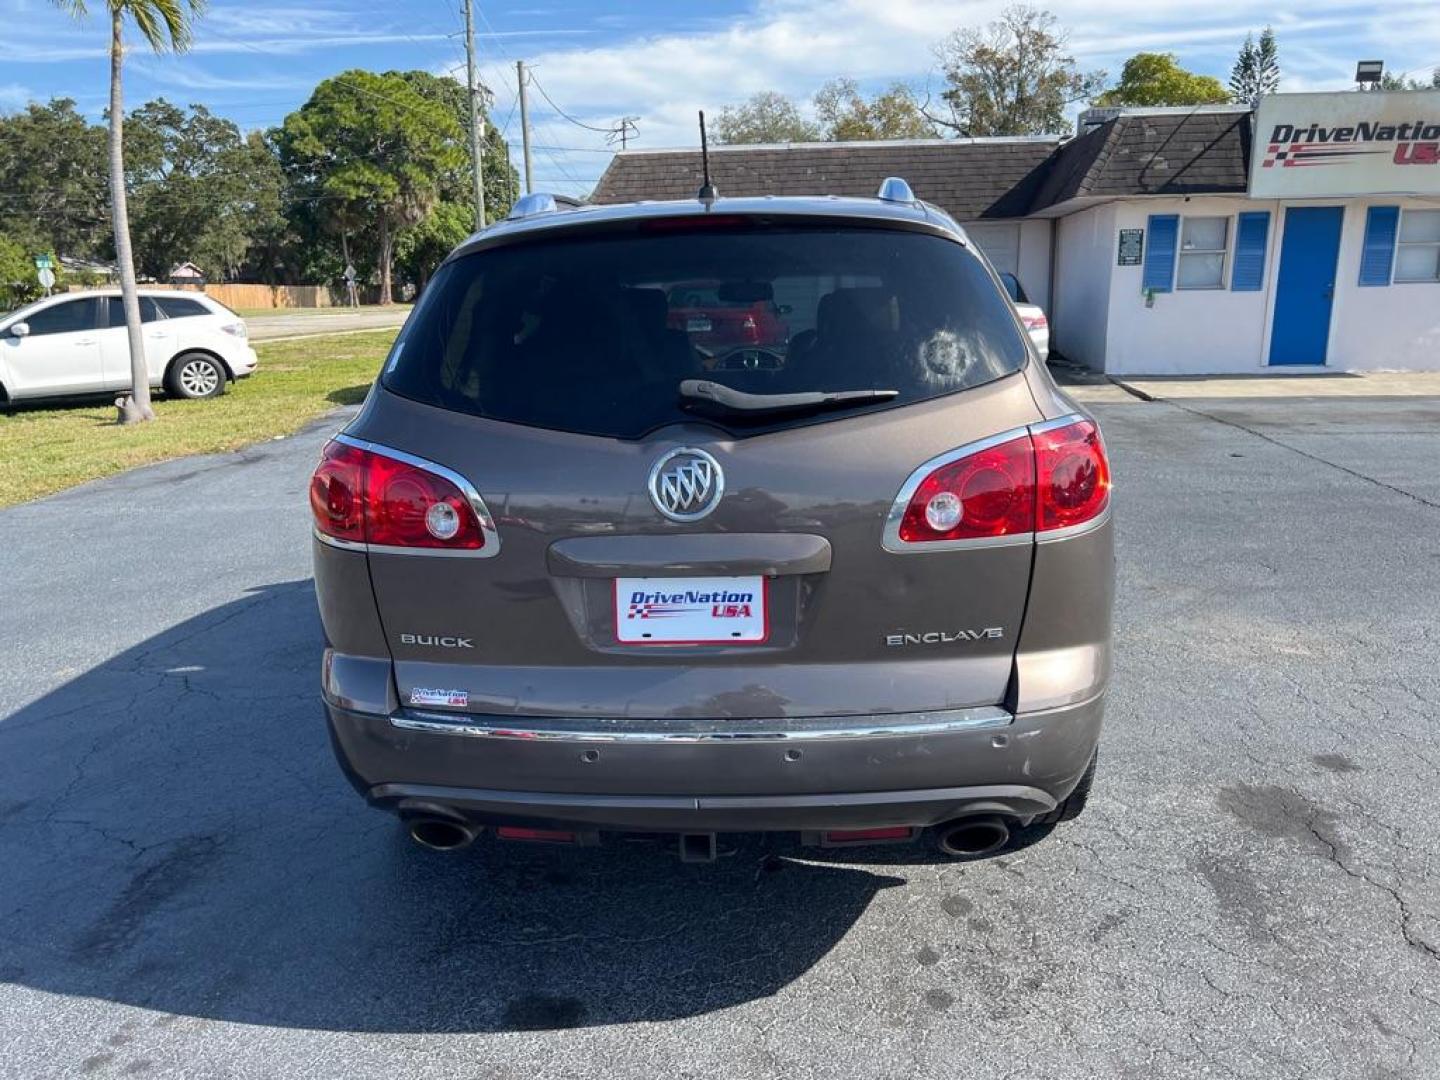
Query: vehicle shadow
point(175, 835)
point(349, 395)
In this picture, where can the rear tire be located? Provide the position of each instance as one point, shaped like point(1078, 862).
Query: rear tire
point(1075, 802)
point(195, 375)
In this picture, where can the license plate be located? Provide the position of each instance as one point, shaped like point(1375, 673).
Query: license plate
point(690, 610)
point(698, 326)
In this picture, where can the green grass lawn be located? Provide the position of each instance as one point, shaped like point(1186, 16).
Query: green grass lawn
point(45, 449)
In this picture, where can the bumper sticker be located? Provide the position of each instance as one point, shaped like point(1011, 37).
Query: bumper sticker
point(423, 696)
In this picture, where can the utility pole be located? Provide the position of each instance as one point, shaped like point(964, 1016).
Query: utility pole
point(477, 160)
point(524, 123)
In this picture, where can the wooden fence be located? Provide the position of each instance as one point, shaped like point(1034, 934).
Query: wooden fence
point(261, 296)
point(267, 296)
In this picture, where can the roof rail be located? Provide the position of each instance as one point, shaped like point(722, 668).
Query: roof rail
point(541, 202)
point(895, 189)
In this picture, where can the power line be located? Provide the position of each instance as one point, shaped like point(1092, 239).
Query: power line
point(563, 113)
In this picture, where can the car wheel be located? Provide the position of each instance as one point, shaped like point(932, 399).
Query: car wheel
point(1075, 802)
point(195, 375)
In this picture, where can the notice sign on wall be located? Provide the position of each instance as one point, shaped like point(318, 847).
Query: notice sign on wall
point(1132, 247)
point(1346, 143)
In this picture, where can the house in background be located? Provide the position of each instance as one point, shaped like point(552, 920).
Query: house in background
point(88, 270)
point(187, 273)
point(1213, 239)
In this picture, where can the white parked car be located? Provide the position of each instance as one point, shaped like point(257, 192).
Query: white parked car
point(1032, 315)
point(76, 343)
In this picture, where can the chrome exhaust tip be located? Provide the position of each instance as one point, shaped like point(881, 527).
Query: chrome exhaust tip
point(442, 834)
point(974, 837)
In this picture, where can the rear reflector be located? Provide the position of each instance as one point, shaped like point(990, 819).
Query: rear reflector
point(362, 496)
point(544, 836)
point(1015, 486)
point(868, 836)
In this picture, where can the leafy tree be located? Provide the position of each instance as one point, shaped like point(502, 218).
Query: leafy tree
point(52, 171)
point(1012, 76)
point(18, 284)
point(767, 117)
point(501, 179)
point(1157, 79)
point(846, 115)
point(1403, 82)
point(423, 247)
point(371, 152)
point(164, 24)
point(197, 186)
point(1256, 70)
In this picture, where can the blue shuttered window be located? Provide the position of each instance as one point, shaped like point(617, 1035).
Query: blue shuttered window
point(1379, 251)
point(1251, 233)
point(1164, 230)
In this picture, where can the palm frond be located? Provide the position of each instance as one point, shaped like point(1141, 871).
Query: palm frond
point(164, 24)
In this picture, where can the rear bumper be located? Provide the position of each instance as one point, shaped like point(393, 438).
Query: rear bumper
point(243, 362)
point(907, 769)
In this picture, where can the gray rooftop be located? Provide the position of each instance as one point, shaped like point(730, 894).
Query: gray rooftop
point(1175, 152)
point(1138, 152)
point(969, 179)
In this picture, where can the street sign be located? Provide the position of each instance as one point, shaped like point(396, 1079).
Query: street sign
point(47, 277)
point(43, 262)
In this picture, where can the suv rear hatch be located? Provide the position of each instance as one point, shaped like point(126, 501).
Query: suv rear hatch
point(548, 372)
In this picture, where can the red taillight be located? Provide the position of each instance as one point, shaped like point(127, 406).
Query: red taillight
point(1032, 483)
point(337, 493)
point(1074, 475)
point(983, 495)
point(363, 496)
point(1034, 322)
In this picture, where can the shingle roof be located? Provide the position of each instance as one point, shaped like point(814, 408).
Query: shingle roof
point(1139, 154)
point(969, 179)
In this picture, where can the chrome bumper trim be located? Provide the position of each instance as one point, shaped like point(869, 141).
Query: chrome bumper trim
point(619, 730)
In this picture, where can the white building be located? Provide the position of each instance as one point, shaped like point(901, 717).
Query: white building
point(1303, 236)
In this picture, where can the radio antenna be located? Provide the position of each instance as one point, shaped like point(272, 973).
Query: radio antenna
point(708, 194)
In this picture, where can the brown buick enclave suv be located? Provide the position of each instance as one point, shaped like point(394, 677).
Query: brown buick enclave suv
point(579, 577)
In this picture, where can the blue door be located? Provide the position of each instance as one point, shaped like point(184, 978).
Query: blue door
point(1305, 288)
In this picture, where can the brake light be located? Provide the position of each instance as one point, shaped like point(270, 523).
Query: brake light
point(363, 496)
point(1035, 322)
point(983, 495)
point(1074, 484)
point(1019, 486)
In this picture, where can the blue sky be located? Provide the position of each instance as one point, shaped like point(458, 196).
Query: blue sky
point(256, 60)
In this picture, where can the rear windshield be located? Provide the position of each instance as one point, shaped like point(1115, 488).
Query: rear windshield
point(595, 334)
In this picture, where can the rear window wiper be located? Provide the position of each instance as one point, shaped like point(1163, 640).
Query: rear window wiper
point(714, 393)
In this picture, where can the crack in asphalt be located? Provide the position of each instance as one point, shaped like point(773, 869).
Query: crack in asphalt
point(1272, 440)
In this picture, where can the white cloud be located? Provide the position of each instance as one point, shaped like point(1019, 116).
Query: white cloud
point(14, 96)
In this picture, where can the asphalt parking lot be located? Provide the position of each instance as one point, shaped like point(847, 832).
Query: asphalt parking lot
point(189, 888)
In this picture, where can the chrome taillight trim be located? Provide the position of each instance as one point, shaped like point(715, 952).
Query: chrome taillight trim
point(489, 550)
point(632, 731)
point(890, 539)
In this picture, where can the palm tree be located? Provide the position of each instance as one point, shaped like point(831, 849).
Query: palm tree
point(164, 24)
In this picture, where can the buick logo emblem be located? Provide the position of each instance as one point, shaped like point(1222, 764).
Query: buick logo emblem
point(686, 484)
